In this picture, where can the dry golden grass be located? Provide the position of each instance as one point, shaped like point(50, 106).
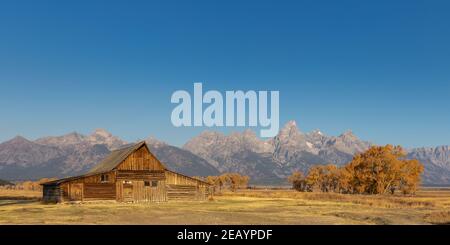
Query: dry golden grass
point(7, 194)
point(244, 207)
point(441, 217)
point(386, 201)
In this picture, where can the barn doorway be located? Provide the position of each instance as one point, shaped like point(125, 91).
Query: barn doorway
point(127, 191)
point(76, 192)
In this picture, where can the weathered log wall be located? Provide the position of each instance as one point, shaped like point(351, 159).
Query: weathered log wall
point(99, 191)
point(140, 175)
point(181, 187)
point(137, 191)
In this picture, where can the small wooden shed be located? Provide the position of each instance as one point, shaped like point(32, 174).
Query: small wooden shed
point(130, 174)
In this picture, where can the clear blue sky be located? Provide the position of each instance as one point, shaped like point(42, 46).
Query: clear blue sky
point(379, 68)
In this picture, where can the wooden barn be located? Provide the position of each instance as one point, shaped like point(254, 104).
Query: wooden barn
point(130, 174)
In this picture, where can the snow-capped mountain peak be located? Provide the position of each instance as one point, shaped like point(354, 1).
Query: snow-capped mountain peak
point(289, 130)
point(101, 133)
point(101, 136)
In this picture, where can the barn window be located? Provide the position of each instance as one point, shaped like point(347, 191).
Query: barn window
point(104, 178)
point(146, 183)
point(154, 183)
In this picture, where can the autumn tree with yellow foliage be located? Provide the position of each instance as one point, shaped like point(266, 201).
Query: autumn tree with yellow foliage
point(379, 170)
point(297, 179)
point(232, 181)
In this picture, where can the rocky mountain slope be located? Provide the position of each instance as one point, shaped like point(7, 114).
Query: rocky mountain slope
point(210, 153)
point(74, 154)
point(437, 164)
point(180, 160)
point(98, 137)
point(271, 161)
point(23, 159)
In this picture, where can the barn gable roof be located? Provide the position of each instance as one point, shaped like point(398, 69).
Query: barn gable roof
point(115, 158)
point(108, 164)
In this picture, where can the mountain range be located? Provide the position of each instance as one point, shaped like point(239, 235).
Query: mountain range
point(267, 162)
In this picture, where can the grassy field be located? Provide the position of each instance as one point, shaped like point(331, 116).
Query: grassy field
point(429, 206)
